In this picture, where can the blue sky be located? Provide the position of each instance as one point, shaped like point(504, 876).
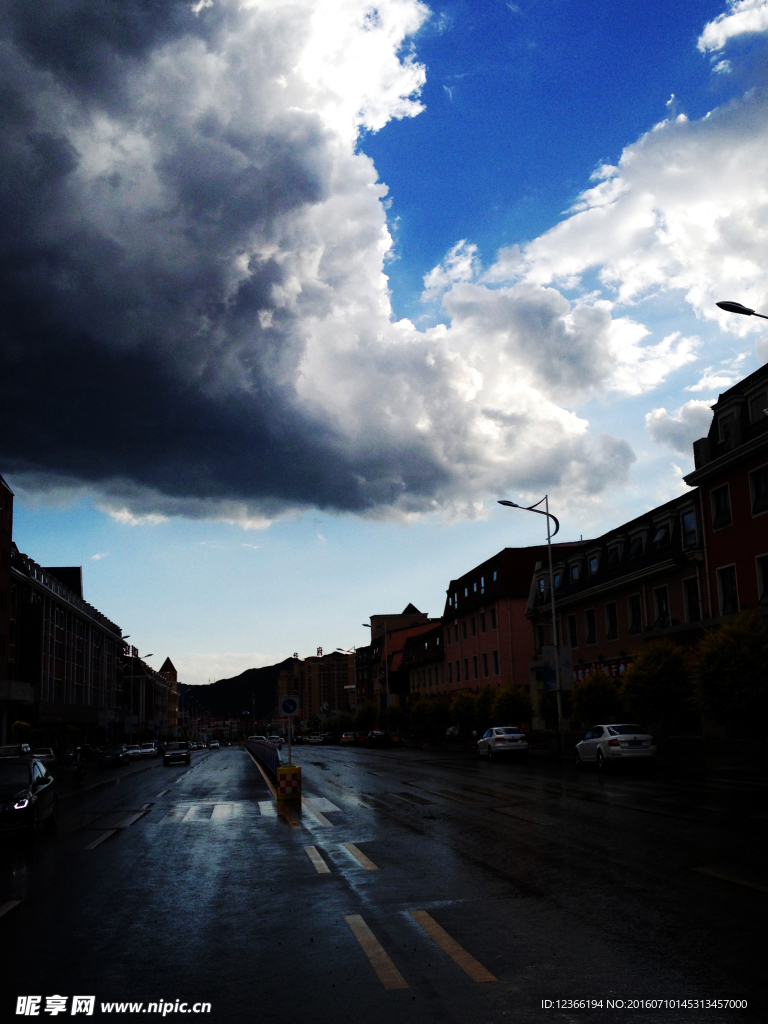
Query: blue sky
point(320, 282)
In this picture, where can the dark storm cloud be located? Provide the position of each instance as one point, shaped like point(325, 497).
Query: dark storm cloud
point(128, 351)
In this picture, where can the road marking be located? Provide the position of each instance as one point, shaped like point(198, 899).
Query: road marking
point(95, 843)
point(725, 876)
point(267, 808)
point(520, 817)
point(369, 801)
point(319, 803)
point(311, 807)
point(145, 806)
point(412, 798)
point(387, 973)
point(359, 856)
point(282, 810)
point(457, 953)
point(461, 798)
point(9, 906)
point(162, 794)
point(123, 819)
point(181, 778)
point(316, 857)
point(191, 813)
point(222, 812)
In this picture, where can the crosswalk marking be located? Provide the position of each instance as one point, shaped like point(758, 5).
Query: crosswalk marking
point(317, 860)
point(9, 906)
point(359, 856)
point(223, 812)
point(311, 806)
point(95, 843)
point(267, 808)
point(457, 953)
point(387, 973)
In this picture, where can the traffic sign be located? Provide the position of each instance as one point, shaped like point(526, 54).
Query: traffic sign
point(289, 706)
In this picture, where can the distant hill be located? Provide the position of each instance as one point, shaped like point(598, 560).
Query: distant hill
point(228, 698)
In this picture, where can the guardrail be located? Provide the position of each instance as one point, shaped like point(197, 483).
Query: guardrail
point(267, 753)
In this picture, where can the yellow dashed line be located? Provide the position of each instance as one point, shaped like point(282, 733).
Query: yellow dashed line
point(313, 810)
point(387, 973)
point(457, 953)
point(316, 857)
point(360, 856)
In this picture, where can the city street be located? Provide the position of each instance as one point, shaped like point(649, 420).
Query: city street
point(410, 887)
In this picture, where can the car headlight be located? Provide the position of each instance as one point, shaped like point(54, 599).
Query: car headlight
point(19, 805)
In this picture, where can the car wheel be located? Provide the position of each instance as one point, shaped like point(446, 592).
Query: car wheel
point(577, 759)
point(33, 828)
point(479, 753)
point(601, 765)
point(53, 818)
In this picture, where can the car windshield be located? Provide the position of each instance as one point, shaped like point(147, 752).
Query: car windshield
point(176, 746)
point(13, 777)
point(147, 746)
point(626, 730)
point(510, 732)
point(113, 750)
point(42, 751)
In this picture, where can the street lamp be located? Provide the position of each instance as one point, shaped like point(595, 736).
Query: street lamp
point(736, 307)
point(545, 512)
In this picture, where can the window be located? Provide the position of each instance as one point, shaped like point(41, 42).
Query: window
point(558, 579)
point(661, 605)
point(455, 600)
point(589, 621)
point(495, 663)
point(611, 622)
point(450, 601)
point(456, 632)
point(592, 564)
point(464, 629)
point(726, 586)
point(689, 529)
point(539, 637)
point(726, 426)
point(762, 579)
point(692, 602)
point(493, 618)
point(541, 584)
point(574, 573)
point(661, 536)
point(758, 407)
point(758, 484)
point(721, 507)
point(495, 575)
point(482, 622)
point(450, 673)
point(473, 625)
point(573, 638)
point(474, 587)
point(485, 665)
point(482, 584)
point(636, 546)
point(613, 556)
point(466, 591)
point(635, 615)
point(466, 670)
point(474, 667)
point(458, 672)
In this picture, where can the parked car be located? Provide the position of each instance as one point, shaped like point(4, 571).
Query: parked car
point(330, 737)
point(15, 750)
point(347, 739)
point(360, 738)
point(149, 750)
point(28, 797)
point(609, 745)
point(46, 755)
point(134, 751)
point(214, 745)
point(315, 737)
point(114, 754)
point(277, 741)
point(177, 753)
point(502, 741)
point(258, 737)
point(377, 738)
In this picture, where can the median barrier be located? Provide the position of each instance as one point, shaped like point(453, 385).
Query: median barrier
point(266, 753)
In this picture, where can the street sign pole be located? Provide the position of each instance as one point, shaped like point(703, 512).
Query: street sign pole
point(289, 706)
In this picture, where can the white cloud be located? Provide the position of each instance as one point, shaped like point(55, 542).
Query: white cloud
point(98, 557)
point(680, 429)
point(742, 16)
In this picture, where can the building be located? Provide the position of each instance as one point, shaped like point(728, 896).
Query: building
point(150, 699)
point(487, 635)
point(324, 684)
point(6, 532)
point(731, 475)
point(424, 660)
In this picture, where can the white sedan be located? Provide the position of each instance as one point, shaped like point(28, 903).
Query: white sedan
point(502, 739)
point(608, 745)
point(276, 741)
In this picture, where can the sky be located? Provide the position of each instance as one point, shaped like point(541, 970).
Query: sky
point(293, 292)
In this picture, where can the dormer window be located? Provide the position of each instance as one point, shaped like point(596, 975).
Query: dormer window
point(661, 536)
point(558, 579)
point(725, 427)
point(592, 564)
point(495, 575)
point(689, 529)
point(636, 547)
point(758, 407)
point(613, 556)
point(721, 507)
point(575, 573)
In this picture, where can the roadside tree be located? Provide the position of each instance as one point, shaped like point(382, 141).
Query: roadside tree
point(596, 698)
point(731, 673)
point(657, 686)
point(464, 712)
point(512, 706)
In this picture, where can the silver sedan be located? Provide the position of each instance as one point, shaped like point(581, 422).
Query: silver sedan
point(608, 745)
point(502, 740)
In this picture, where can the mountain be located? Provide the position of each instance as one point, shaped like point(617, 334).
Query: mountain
point(229, 698)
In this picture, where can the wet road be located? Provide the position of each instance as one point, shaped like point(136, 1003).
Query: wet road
point(410, 887)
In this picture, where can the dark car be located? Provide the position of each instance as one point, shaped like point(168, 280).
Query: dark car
point(177, 753)
point(114, 754)
point(360, 738)
point(28, 797)
point(15, 750)
point(45, 754)
point(377, 738)
point(331, 737)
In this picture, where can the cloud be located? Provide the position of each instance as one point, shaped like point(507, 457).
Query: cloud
point(98, 557)
point(742, 17)
point(679, 430)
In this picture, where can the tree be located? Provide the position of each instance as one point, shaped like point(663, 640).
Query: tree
point(596, 698)
point(420, 717)
point(657, 686)
point(512, 706)
point(365, 717)
point(438, 717)
point(21, 731)
point(484, 708)
point(464, 712)
point(393, 718)
point(731, 672)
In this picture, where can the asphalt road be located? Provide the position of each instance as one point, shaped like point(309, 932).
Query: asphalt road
point(410, 887)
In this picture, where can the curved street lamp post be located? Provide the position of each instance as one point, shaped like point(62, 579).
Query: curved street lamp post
point(545, 512)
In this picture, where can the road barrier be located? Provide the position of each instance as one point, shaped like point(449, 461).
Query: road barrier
point(265, 752)
point(289, 782)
